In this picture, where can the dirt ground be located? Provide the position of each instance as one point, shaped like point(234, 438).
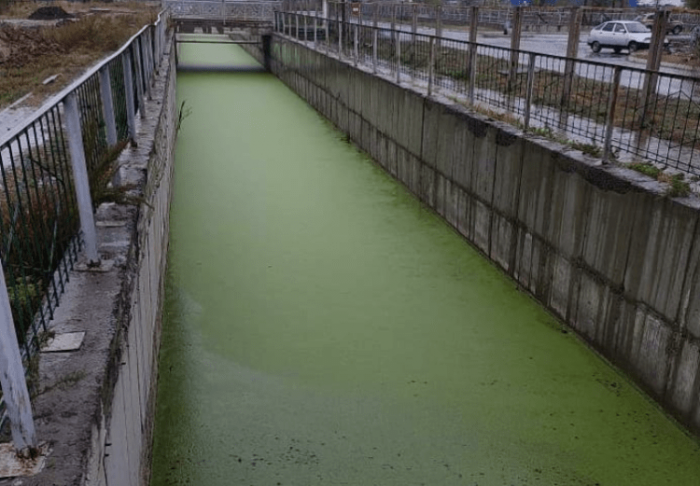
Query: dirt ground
point(33, 50)
point(687, 59)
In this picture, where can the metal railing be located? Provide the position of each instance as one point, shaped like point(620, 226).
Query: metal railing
point(51, 170)
point(615, 112)
point(552, 18)
point(223, 10)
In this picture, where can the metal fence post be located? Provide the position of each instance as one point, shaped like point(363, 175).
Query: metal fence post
point(340, 40)
point(398, 58)
point(139, 74)
point(156, 46)
point(108, 106)
point(414, 22)
point(315, 29)
point(12, 380)
point(306, 28)
point(473, 26)
point(375, 35)
point(610, 119)
point(438, 24)
point(431, 66)
point(355, 41)
point(651, 76)
point(515, 47)
point(393, 23)
point(129, 95)
point(296, 21)
point(80, 176)
point(529, 89)
point(571, 53)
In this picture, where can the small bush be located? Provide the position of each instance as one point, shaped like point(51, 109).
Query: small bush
point(646, 169)
point(588, 148)
point(678, 187)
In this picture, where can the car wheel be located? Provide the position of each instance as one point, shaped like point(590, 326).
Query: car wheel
point(595, 46)
point(633, 47)
point(677, 30)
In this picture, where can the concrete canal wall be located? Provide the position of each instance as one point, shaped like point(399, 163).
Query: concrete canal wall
point(94, 406)
point(601, 247)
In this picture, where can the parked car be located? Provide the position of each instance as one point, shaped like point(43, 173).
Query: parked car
point(620, 34)
point(674, 28)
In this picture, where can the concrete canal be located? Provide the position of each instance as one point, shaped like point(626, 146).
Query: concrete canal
point(323, 328)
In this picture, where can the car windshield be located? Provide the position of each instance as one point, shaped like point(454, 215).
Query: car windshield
point(636, 27)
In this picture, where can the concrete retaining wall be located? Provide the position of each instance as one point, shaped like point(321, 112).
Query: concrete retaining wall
point(94, 406)
point(602, 248)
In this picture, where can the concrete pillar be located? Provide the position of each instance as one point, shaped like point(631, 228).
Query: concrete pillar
point(14, 385)
point(129, 95)
point(108, 106)
point(80, 177)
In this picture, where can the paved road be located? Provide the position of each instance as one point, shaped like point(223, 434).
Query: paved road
point(549, 44)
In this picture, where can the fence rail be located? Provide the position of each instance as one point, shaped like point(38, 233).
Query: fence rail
point(223, 10)
point(534, 17)
point(626, 113)
point(52, 169)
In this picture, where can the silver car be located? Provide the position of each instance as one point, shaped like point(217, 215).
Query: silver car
point(618, 35)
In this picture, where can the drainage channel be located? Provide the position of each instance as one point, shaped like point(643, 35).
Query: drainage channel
point(323, 328)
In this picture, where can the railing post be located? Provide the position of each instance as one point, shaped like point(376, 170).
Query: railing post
point(414, 23)
point(530, 87)
point(139, 74)
point(149, 60)
point(375, 39)
point(306, 28)
point(393, 23)
point(315, 29)
point(375, 15)
point(80, 177)
point(296, 21)
point(515, 47)
point(129, 95)
point(610, 119)
point(431, 66)
point(108, 106)
point(474, 22)
point(12, 380)
point(651, 77)
point(340, 40)
point(398, 58)
point(571, 53)
point(156, 46)
point(356, 50)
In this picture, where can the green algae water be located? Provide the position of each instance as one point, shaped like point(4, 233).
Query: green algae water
point(323, 328)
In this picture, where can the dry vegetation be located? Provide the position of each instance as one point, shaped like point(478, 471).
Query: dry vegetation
point(30, 52)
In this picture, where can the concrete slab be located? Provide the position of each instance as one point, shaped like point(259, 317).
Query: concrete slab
point(13, 465)
point(684, 389)
point(508, 166)
point(68, 341)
